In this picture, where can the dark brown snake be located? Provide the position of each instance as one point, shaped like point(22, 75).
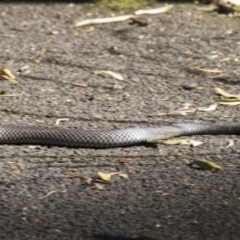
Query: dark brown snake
point(11, 134)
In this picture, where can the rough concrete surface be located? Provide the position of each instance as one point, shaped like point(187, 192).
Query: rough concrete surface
point(163, 197)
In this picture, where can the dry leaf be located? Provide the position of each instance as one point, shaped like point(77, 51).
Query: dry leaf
point(111, 73)
point(104, 20)
point(208, 70)
point(154, 11)
point(182, 142)
point(208, 109)
point(123, 175)
point(225, 94)
point(60, 120)
point(206, 165)
point(123, 17)
point(88, 180)
point(231, 102)
point(182, 111)
point(231, 143)
point(98, 186)
point(179, 112)
point(107, 176)
point(80, 85)
point(6, 74)
point(23, 70)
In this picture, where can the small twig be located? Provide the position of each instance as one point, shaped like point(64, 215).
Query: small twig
point(50, 193)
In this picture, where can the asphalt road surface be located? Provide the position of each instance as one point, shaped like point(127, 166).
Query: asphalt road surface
point(163, 198)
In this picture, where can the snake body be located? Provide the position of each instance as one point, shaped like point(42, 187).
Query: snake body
point(34, 135)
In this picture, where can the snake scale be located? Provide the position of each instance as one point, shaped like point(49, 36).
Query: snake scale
point(34, 135)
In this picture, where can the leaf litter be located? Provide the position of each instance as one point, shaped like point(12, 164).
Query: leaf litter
point(107, 176)
point(61, 120)
point(206, 165)
point(230, 99)
point(188, 142)
point(111, 73)
point(230, 143)
point(123, 17)
point(99, 181)
point(186, 110)
point(6, 74)
point(208, 70)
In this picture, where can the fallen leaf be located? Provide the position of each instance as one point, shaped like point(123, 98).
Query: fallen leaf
point(154, 11)
point(6, 74)
point(98, 186)
point(183, 111)
point(208, 70)
point(208, 109)
point(111, 73)
point(107, 176)
point(23, 70)
point(230, 144)
point(104, 20)
point(182, 142)
point(225, 94)
point(123, 17)
point(109, 98)
point(123, 175)
point(80, 85)
point(60, 120)
point(231, 102)
point(206, 165)
point(88, 180)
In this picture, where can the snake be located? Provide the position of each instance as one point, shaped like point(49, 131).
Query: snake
point(77, 138)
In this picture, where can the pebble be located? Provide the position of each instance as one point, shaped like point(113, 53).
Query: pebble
point(189, 86)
